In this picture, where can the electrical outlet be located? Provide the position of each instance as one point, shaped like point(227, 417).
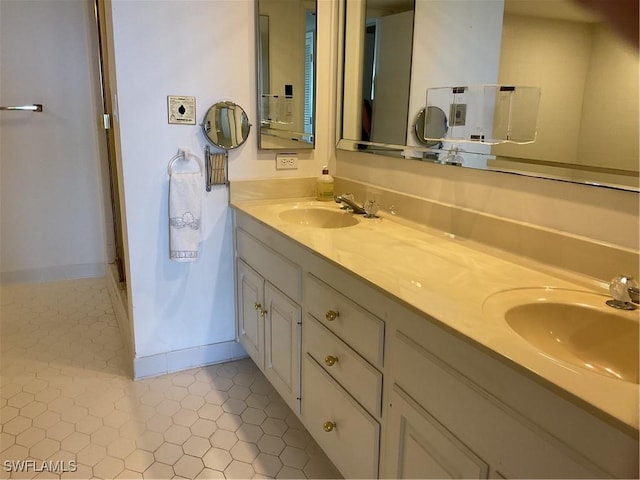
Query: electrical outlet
point(457, 114)
point(286, 161)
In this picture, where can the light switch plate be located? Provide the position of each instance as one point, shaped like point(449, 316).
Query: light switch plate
point(181, 110)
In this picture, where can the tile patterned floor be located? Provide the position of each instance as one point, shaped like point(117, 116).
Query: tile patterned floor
point(67, 402)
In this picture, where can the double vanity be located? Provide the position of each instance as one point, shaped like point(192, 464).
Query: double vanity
point(409, 352)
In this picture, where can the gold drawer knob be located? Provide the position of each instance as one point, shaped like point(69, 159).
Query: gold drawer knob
point(257, 306)
point(330, 360)
point(331, 315)
point(328, 426)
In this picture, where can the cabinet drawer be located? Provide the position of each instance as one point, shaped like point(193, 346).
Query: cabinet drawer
point(270, 264)
point(349, 321)
point(349, 369)
point(353, 444)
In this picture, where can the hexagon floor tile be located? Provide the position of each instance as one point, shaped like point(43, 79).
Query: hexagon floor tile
point(68, 408)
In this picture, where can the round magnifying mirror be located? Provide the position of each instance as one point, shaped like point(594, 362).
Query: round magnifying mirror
point(226, 125)
point(431, 123)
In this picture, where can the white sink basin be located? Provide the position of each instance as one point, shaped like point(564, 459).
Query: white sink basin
point(573, 327)
point(319, 217)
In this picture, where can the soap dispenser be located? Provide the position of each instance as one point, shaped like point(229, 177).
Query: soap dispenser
point(324, 186)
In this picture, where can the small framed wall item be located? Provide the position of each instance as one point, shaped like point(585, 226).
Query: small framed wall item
point(181, 110)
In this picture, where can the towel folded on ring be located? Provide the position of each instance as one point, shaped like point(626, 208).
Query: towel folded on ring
point(185, 204)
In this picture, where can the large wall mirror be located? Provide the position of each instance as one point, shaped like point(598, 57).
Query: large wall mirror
point(394, 50)
point(286, 37)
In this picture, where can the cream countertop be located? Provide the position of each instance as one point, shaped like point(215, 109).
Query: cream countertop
point(449, 279)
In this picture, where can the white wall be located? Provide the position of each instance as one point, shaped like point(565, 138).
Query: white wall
point(534, 52)
point(52, 220)
point(452, 53)
point(610, 124)
point(589, 79)
point(160, 50)
point(204, 49)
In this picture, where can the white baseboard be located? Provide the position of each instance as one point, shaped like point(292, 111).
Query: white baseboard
point(54, 274)
point(178, 360)
point(120, 309)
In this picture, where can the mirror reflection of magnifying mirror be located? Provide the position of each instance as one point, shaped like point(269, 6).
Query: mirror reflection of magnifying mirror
point(429, 124)
point(226, 125)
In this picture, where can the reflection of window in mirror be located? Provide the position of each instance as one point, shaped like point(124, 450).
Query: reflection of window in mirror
point(309, 70)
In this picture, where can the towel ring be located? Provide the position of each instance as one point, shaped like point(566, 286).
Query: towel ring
point(184, 155)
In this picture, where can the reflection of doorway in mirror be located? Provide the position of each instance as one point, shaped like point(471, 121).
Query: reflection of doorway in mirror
point(391, 78)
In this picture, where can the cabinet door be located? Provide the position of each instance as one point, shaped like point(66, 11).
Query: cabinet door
point(282, 345)
point(250, 296)
point(418, 446)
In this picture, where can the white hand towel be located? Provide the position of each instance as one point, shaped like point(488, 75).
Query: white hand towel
point(185, 202)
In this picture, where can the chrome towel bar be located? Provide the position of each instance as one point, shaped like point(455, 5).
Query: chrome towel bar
point(184, 154)
point(36, 107)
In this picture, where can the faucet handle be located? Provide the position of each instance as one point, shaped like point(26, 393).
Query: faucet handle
point(371, 207)
point(634, 293)
point(624, 290)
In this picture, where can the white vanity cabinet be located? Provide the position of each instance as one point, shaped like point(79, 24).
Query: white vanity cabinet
point(389, 392)
point(343, 350)
point(454, 411)
point(269, 321)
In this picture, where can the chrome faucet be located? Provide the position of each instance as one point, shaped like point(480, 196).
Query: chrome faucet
point(625, 292)
point(349, 203)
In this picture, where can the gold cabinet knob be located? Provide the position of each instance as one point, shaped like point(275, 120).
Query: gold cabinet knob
point(261, 311)
point(331, 315)
point(328, 426)
point(330, 360)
